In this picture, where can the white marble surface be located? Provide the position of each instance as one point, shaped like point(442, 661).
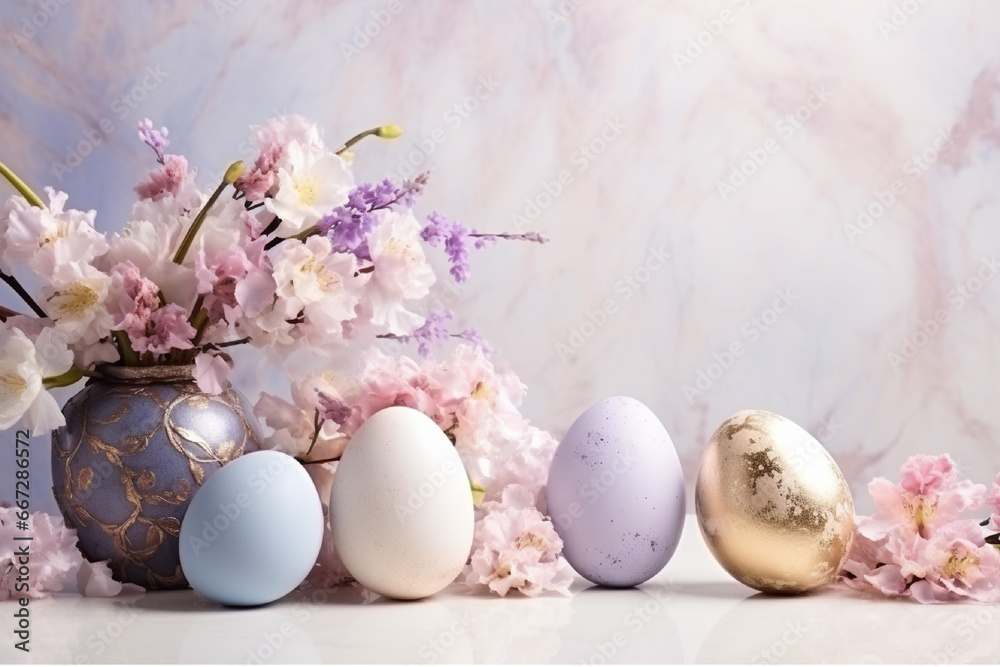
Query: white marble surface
point(692, 612)
point(883, 86)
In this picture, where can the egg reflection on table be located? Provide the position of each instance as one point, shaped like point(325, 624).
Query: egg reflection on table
point(772, 504)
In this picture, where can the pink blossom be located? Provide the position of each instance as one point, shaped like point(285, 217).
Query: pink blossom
point(294, 423)
point(919, 543)
point(386, 381)
point(256, 182)
point(515, 547)
point(211, 372)
point(95, 580)
point(217, 281)
point(54, 556)
point(167, 329)
point(131, 299)
point(957, 564)
point(993, 500)
point(929, 495)
point(165, 181)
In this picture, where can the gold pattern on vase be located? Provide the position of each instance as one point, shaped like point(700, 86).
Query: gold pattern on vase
point(772, 504)
point(128, 462)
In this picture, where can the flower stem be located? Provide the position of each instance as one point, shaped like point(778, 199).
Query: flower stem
point(21, 292)
point(72, 376)
point(34, 200)
point(234, 171)
point(19, 185)
point(125, 348)
point(384, 131)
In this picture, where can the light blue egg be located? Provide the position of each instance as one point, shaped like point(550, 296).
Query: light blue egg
point(253, 531)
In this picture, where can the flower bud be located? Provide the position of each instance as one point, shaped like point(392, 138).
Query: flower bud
point(389, 131)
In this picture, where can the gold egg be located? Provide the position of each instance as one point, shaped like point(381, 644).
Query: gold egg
point(772, 504)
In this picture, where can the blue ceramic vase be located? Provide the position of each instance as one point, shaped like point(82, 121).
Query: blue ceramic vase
point(135, 448)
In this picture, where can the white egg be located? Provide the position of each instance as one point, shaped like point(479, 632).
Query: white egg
point(253, 530)
point(401, 507)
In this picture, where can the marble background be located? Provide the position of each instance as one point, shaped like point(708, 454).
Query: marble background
point(751, 203)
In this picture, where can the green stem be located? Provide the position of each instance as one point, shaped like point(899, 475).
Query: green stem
point(72, 376)
point(234, 171)
point(19, 185)
point(125, 348)
point(199, 322)
point(384, 131)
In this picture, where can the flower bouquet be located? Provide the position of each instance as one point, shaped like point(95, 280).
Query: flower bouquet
point(287, 255)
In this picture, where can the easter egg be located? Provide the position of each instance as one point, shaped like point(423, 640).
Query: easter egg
point(615, 493)
point(772, 504)
point(253, 530)
point(401, 510)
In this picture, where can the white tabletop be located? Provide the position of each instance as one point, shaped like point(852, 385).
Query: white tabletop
point(691, 612)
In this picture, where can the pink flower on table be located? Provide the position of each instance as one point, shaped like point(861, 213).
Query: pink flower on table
point(166, 181)
point(54, 556)
point(167, 329)
point(929, 495)
point(515, 547)
point(956, 564)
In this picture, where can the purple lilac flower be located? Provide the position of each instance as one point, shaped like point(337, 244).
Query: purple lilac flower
point(348, 226)
point(333, 409)
point(434, 331)
point(474, 337)
point(155, 139)
point(456, 238)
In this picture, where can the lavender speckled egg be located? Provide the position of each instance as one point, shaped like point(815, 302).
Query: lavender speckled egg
point(616, 493)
